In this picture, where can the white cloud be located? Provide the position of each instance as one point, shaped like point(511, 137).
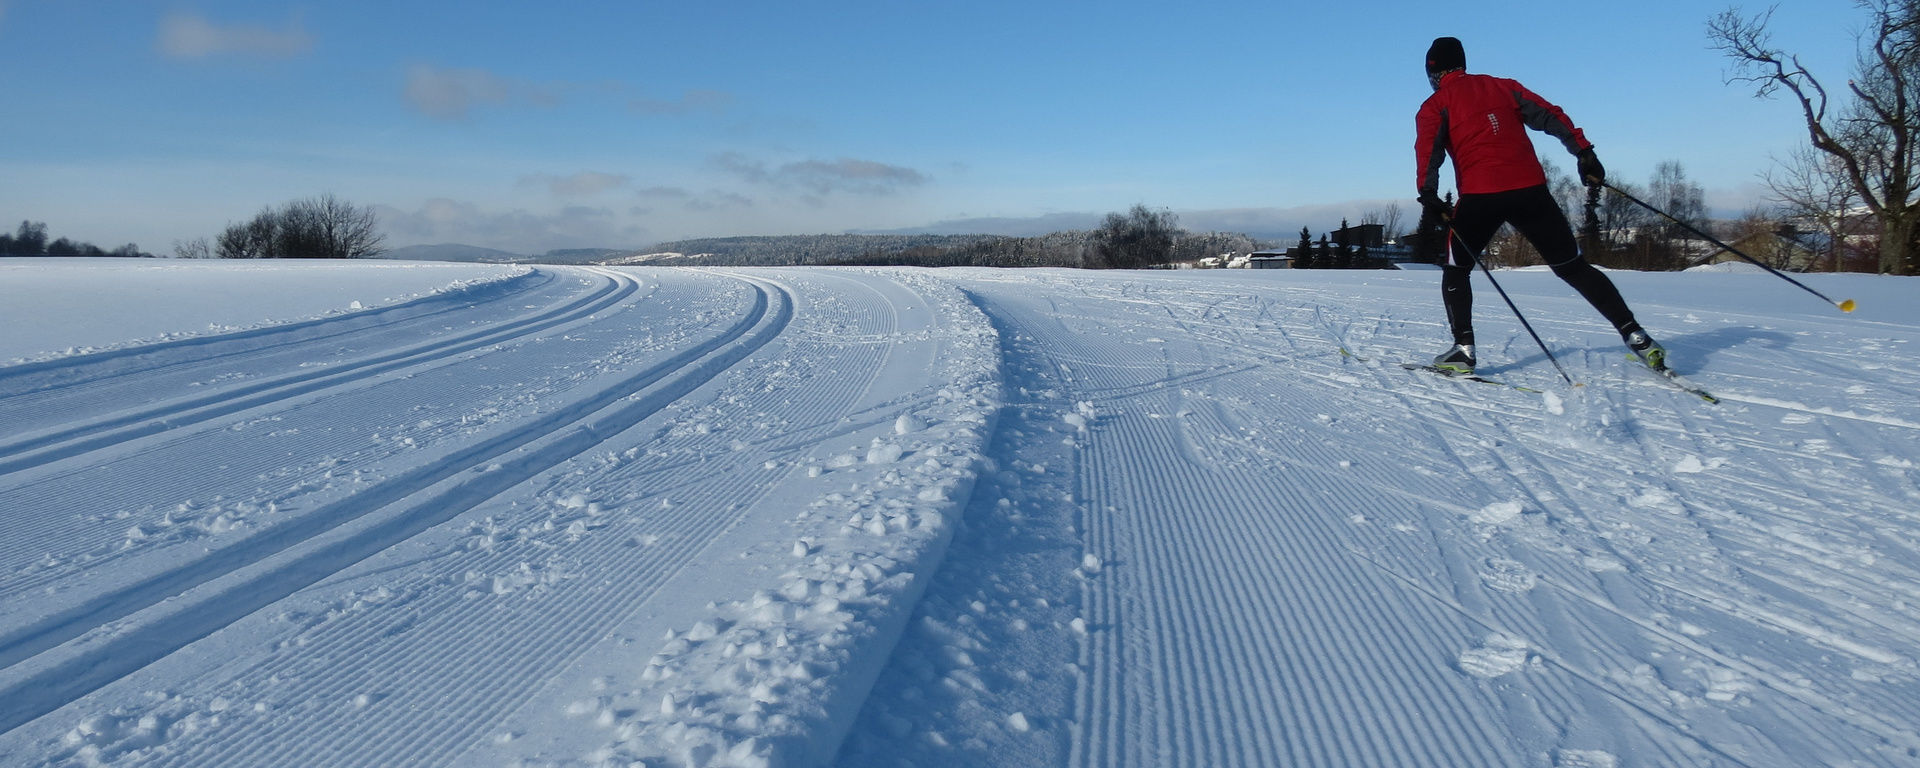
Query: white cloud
point(449, 94)
point(188, 36)
point(822, 178)
point(687, 199)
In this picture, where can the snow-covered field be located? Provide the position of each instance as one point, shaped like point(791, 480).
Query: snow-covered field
point(433, 514)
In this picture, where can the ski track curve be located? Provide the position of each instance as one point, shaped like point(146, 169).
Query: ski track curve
point(479, 521)
point(223, 397)
point(69, 372)
point(1571, 578)
point(59, 488)
point(956, 517)
point(207, 593)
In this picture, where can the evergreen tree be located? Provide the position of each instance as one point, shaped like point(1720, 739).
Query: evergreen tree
point(1343, 255)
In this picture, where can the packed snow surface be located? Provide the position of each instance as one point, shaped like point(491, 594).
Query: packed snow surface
point(432, 514)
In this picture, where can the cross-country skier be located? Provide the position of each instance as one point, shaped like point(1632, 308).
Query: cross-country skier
point(1481, 122)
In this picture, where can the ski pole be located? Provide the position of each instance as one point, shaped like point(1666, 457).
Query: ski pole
point(1845, 305)
point(1510, 305)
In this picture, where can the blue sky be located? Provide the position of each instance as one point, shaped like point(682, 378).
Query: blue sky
point(622, 124)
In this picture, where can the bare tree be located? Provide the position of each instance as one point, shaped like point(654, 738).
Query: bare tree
point(324, 227)
point(1140, 238)
point(197, 248)
point(1622, 230)
point(1757, 233)
point(31, 239)
point(1682, 199)
point(1812, 187)
point(1568, 192)
point(1875, 136)
point(342, 230)
point(1390, 219)
point(252, 240)
point(1511, 249)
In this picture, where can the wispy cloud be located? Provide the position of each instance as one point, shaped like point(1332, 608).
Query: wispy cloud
point(582, 184)
point(189, 36)
point(451, 94)
point(692, 201)
point(822, 178)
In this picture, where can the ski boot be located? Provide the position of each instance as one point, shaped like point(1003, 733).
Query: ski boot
point(1647, 351)
point(1457, 360)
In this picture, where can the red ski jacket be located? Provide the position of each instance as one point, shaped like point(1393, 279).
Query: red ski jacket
point(1478, 119)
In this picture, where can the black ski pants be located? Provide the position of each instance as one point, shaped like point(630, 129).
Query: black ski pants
point(1532, 211)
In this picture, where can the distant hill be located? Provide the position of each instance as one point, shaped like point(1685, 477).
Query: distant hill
point(794, 250)
point(477, 254)
point(1066, 248)
point(579, 255)
point(453, 252)
point(1055, 249)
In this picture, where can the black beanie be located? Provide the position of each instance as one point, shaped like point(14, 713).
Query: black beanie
point(1445, 54)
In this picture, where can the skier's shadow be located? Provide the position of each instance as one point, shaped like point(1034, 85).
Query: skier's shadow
point(1690, 351)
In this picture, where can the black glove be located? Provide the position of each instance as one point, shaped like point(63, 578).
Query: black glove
point(1434, 205)
point(1592, 173)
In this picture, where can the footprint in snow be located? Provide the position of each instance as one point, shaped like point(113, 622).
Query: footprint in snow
point(1498, 655)
point(1584, 758)
point(1507, 575)
point(1498, 513)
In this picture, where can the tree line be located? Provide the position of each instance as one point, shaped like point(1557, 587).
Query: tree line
point(1139, 238)
point(1613, 231)
point(323, 227)
point(31, 240)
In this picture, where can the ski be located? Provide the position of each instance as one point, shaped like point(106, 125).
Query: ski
point(1674, 379)
point(1468, 377)
point(1344, 352)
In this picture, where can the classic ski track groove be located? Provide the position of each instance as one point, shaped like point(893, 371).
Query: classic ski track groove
point(1177, 556)
point(95, 527)
point(1197, 603)
point(1510, 622)
point(205, 595)
point(1294, 556)
point(94, 368)
point(77, 439)
point(578, 620)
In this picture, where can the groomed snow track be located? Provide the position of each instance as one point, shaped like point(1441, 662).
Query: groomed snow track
point(197, 606)
point(586, 516)
point(239, 506)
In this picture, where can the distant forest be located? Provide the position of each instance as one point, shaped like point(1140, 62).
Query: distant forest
point(1141, 238)
point(31, 240)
